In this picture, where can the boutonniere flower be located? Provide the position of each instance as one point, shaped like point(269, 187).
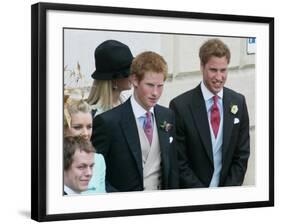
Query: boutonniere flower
point(166, 126)
point(234, 109)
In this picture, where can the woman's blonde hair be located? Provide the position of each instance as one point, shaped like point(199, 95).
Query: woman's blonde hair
point(74, 106)
point(101, 93)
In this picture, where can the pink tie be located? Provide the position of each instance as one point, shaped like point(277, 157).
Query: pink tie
point(215, 116)
point(148, 130)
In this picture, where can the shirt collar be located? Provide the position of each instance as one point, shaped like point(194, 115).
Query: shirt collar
point(69, 191)
point(207, 94)
point(138, 110)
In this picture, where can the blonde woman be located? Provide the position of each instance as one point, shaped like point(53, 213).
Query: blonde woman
point(78, 122)
point(113, 60)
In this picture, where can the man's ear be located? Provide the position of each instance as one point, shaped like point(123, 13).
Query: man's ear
point(134, 80)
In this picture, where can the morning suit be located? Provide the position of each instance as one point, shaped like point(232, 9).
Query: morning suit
point(116, 136)
point(194, 140)
point(151, 159)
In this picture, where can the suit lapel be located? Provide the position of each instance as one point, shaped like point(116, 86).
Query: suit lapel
point(129, 127)
point(227, 122)
point(200, 115)
point(160, 117)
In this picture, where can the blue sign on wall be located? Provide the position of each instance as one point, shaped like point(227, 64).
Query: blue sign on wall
point(252, 40)
point(251, 45)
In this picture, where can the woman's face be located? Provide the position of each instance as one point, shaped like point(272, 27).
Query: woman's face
point(123, 84)
point(81, 125)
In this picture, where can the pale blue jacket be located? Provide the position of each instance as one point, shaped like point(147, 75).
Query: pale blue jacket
point(97, 182)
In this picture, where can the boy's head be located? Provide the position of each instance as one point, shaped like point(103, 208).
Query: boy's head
point(78, 155)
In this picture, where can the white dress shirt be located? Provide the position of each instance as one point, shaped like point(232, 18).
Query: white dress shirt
point(140, 112)
point(69, 191)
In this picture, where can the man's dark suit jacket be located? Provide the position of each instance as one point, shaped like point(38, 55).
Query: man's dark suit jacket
point(116, 137)
point(193, 139)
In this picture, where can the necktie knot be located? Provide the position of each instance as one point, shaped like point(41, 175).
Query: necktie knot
point(148, 115)
point(215, 99)
point(215, 116)
point(148, 130)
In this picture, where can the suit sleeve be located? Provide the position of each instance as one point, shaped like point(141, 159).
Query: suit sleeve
point(101, 141)
point(101, 135)
point(174, 171)
point(187, 178)
point(241, 155)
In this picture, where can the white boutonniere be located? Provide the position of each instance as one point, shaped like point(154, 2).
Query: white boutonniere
point(234, 109)
point(166, 126)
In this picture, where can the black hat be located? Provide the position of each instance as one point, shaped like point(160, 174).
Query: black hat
point(113, 60)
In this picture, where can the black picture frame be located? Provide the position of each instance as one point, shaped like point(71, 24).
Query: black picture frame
point(39, 116)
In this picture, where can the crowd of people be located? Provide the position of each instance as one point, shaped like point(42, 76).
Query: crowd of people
point(113, 144)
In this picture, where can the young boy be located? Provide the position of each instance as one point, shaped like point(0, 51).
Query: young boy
point(78, 157)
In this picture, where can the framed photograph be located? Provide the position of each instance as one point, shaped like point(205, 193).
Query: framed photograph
point(64, 39)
